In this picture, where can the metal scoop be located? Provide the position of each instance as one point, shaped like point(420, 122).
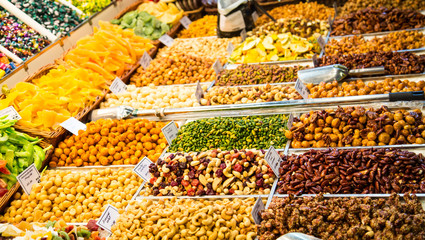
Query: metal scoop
point(297, 236)
point(336, 72)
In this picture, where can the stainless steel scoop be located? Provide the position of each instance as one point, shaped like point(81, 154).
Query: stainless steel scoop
point(336, 72)
point(297, 236)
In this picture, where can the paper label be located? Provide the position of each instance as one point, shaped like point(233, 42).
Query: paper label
point(108, 218)
point(321, 41)
point(258, 206)
point(254, 16)
point(185, 21)
point(118, 86)
point(301, 89)
point(290, 120)
point(233, 22)
point(170, 132)
point(199, 93)
point(145, 61)
point(73, 125)
point(28, 178)
point(230, 48)
point(243, 35)
point(142, 169)
point(273, 158)
point(11, 113)
point(217, 67)
point(166, 40)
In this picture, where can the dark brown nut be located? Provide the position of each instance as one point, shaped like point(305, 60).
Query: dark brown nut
point(351, 6)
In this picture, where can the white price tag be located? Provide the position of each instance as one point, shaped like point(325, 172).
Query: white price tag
point(254, 16)
point(118, 86)
point(301, 89)
point(29, 177)
point(217, 67)
point(142, 169)
point(258, 206)
point(230, 48)
point(11, 113)
point(170, 132)
point(73, 125)
point(290, 121)
point(273, 159)
point(199, 93)
point(145, 60)
point(321, 41)
point(185, 21)
point(108, 218)
point(166, 40)
point(243, 35)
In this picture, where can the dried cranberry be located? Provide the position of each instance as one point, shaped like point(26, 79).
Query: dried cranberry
point(259, 182)
point(209, 185)
point(171, 156)
point(259, 175)
point(200, 192)
point(232, 191)
point(162, 185)
point(174, 183)
point(191, 174)
point(238, 167)
point(262, 151)
point(210, 192)
point(219, 173)
point(156, 174)
point(182, 165)
point(223, 166)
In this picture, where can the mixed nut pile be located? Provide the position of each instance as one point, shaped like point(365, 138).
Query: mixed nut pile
point(357, 126)
point(344, 218)
point(213, 172)
point(355, 5)
point(363, 171)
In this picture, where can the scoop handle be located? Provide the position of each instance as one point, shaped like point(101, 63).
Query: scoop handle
point(407, 96)
point(367, 71)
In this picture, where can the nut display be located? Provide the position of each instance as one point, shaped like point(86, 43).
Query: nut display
point(165, 12)
point(178, 68)
point(355, 5)
point(344, 218)
point(300, 27)
point(212, 172)
point(211, 48)
point(115, 142)
point(392, 42)
point(307, 10)
point(357, 126)
point(395, 63)
point(203, 27)
point(226, 133)
point(381, 19)
point(152, 97)
point(187, 219)
point(254, 94)
point(363, 171)
point(74, 196)
point(361, 87)
point(248, 74)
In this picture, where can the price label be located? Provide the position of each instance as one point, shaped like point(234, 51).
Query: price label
point(28, 178)
point(170, 132)
point(117, 86)
point(11, 113)
point(166, 40)
point(301, 89)
point(145, 61)
point(321, 41)
point(73, 125)
point(185, 21)
point(243, 35)
point(254, 16)
point(199, 93)
point(230, 48)
point(255, 212)
point(273, 159)
point(217, 67)
point(108, 218)
point(290, 121)
point(142, 169)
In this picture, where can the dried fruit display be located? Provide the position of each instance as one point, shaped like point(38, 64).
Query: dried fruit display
point(226, 133)
point(190, 218)
point(203, 27)
point(153, 97)
point(281, 47)
point(254, 94)
point(115, 142)
point(165, 12)
point(357, 126)
point(248, 74)
point(212, 172)
point(211, 48)
point(381, 19)
point(344, 218)
point(363, 171)
point(360, 87)
point(395, 63)
point(355, 5)
point(392, 42)
point(178, 68)
point(74, 196)
point(300, 27)
point(307, 10)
